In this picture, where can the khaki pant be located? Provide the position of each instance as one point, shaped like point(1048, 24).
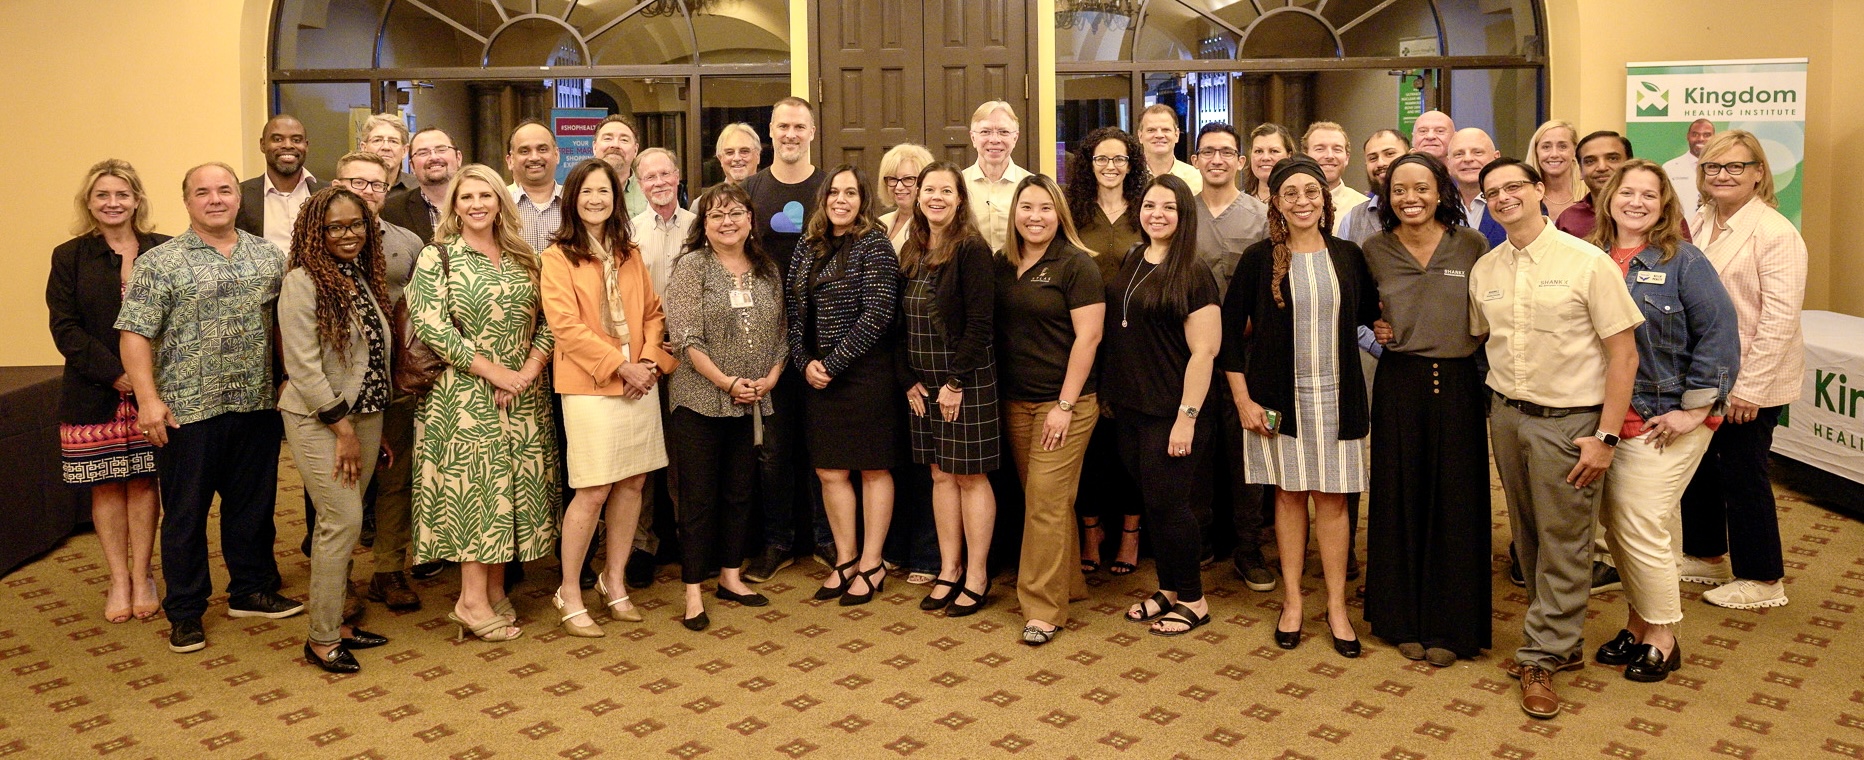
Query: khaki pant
point(339, 511)
point(1643, 497)
point(1050, 569)
point(1552, 524)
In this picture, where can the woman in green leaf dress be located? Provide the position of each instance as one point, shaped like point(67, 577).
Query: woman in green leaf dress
point(486, 484)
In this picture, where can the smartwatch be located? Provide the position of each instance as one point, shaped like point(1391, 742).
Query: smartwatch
point(1606, 438)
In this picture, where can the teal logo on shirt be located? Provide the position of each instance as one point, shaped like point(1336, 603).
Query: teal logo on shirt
point(790, 219)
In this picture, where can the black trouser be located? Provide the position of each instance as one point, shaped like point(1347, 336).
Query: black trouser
point(1167, 484)
point(234, 455)
point(717, 475)
point(1231, 492)
point(1728, 508)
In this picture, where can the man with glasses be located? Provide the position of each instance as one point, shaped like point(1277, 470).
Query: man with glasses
point(432, 161)
point(1562, 355)
point(386, 135)
point(1158, 135)
point(269, 203)
point(1600, 155)
point(738, 151)
point(617, 142)
point(991, 181)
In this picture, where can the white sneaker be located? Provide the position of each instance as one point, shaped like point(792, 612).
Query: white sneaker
point(1747, 595)
point(1692, 570)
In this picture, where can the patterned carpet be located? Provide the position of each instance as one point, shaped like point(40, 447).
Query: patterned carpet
point(803, 679)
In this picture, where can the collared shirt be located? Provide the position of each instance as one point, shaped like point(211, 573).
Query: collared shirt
point(634, 198)
point(538, 223)
point(1035, 320)
point(433, 211)
point(1682, 171)
point(281, 208)
point(210, 317)
point(1474, 208)
point(1427, 304)
point(659, 240)
point(1579, 219)
point(1361, 223)
point(1189, 174)
point(990, 201)
point(1222, 238)
point(400, 247)
point(1345, 199)
point(1547, 309)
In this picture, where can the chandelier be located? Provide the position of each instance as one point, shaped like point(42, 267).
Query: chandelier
point(1096, 15)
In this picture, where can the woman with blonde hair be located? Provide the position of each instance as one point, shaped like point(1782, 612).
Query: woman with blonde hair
point(1269, 143)
point(1552, 151)
point(100, 445)
point(899, 173)
point(486, 488)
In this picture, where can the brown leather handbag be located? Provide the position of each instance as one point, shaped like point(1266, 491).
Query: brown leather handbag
point(417, 365)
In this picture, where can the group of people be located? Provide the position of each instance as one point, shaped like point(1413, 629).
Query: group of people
point(1158, 344)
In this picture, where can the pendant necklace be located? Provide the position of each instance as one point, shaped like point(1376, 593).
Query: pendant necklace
point(1127, 304)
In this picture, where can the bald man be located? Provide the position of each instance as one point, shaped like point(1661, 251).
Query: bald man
point(1471, 149)
point(269, 203)
point(1682, 169)
point(1431, 134)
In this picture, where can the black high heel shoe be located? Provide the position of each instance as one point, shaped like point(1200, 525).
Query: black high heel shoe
point(1651, 666)
point(1621, 650)
point(873, 586)
point(339, 661)
point(959, 609)
point(934, 602)
point(825, 593)
point(1346, 648)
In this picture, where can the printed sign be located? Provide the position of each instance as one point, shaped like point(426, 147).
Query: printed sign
point(1672, 109)
point(575, 132)
point(1825, 427)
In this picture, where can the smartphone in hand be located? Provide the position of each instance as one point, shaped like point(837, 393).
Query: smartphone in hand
point(1273, 419)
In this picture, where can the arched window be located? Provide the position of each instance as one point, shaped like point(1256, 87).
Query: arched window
point(683, 69)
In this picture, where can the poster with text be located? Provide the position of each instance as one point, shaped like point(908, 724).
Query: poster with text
point(575, 131)
point(1673, 108)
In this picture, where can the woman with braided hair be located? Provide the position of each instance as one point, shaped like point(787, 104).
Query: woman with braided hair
point(334, 333)
point(1293, 310)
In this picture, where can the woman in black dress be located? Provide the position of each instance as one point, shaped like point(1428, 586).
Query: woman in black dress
point(1427, 543)
point(102, 448)
point(844, 282)
point(946, 307)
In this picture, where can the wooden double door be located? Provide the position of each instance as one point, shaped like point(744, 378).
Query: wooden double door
point(894, 71)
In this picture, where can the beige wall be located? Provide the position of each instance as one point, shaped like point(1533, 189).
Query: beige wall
point(166, 85)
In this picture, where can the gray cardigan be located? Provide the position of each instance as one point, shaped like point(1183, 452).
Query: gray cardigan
point(319, 382)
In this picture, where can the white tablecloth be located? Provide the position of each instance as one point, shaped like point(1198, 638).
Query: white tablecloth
point(1825, 427)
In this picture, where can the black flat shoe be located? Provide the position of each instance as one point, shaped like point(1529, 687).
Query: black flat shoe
point(933, 601)
point(1650, 665)
point(959, 609)
point(1346, 648)
point(752, 599)
point(697, 623)
point(1621, 650)
point(873, 586)
point(339, 661)
point(361, 639)
point(825, 593)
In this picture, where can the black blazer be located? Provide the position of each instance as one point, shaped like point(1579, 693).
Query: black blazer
point(407, 209)
point(252, 204)
point(84, 294)
point(964, 292)
point(1265, 355)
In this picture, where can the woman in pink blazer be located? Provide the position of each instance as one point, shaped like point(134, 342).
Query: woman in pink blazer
point(1731, 535)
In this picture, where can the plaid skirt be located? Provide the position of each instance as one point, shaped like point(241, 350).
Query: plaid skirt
point(106, 452)
point(970, 444)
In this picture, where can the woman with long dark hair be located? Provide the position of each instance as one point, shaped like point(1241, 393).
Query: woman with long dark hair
point(947, 304)
point(1293, 310)
point(844, 285)
point(1162, 335)
point(1427, 543)
point(725, 319)
point(334, 333)
point(599, 299)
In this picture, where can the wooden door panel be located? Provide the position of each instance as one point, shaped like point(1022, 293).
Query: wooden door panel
point(979, 49)
point(871, 60)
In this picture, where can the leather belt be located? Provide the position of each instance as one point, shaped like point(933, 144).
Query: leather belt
point(1532, 409)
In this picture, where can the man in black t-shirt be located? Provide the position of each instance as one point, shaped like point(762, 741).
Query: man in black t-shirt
point(783, 195)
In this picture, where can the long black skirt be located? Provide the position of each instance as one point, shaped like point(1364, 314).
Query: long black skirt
point(1427, 534)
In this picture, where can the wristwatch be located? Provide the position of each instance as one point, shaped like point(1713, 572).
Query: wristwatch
point(1190, 412)
point(955, 384)
point(1606, 438)
point(1065, 405)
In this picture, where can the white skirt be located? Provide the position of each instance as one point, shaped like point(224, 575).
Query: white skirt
point(611, 438)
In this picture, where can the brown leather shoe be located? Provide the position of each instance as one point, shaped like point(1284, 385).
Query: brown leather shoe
point(1537, 697)
point(1575, 661)
point(392, 589)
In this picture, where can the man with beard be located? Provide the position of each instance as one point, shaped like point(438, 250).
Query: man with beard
point(432, 161)
point(531, 157)
point(269, 203)
point(617, 142)
point(1682, 169)
point(1381, 149)
point(1600, 155)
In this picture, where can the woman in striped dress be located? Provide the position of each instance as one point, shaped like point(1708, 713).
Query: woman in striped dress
point(1304, 292)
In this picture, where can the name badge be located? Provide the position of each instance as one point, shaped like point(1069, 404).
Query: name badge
point(1455, 273)
point(1654, 278)
point(1493, 295)
point(740, 298)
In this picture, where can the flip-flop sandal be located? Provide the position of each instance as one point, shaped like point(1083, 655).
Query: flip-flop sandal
point(1181, 615)
point(1159, 600)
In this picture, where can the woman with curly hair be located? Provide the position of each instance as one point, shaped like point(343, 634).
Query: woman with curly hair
point(334, 333)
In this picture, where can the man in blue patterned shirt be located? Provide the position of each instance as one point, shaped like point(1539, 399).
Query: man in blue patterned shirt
point(196, 329)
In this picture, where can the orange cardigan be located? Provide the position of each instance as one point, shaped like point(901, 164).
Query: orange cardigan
point(587, 357)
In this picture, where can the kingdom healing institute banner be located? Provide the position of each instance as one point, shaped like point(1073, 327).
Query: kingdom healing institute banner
point(1672, 108)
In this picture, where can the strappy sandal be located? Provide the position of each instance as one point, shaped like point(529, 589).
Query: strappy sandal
point(1158, 600)
point(1180, 615)
point(495, 628)
point(1090, 566)
point(933, 602)
point(586, 629)
point(630, 615)
point(841, 572)
point(873, 586)
point(1123, 568)
point(958, 606)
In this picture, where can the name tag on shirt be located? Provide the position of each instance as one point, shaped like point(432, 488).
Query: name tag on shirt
point(1493, 295)
point(740, 298)
point(1654, 278)
point(1455, 273)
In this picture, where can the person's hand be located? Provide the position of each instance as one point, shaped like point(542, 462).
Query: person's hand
point(1253, 418)
point(816, 374)
point(1382, 331)
point(916, 399)
point(949, 401)
point(1594, 458)
point(349, 453)
point(1740, 411)
point(1055, 428)
point(387, 458)
point(667, 346)
point(1179, 444)
point(507, 380)
point(636, 379)
point(122, 384)
point(502, 398)
point(154, 420)
point(743, 391)
point(1669, 426)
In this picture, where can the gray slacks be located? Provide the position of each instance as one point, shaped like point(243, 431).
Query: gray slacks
point(1552, 524)
point(339, 511)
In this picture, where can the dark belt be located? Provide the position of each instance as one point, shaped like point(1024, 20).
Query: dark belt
point(1532, 409)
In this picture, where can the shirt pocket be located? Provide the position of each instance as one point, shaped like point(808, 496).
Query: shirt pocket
point(1666, 323)
point(1557, 309)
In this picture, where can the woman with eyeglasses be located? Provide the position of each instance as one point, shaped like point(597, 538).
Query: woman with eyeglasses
point(1427, 540)
point(334, 334)
point(1293, 309)
point(899, 174)
point(1761, 258)
point(1107, 175)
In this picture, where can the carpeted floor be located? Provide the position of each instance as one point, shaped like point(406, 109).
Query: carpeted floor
point(803, 679)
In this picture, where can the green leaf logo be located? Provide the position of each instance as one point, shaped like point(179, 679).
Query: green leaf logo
point(1649, 87)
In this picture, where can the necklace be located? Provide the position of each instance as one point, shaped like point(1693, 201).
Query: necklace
point(1126, 304)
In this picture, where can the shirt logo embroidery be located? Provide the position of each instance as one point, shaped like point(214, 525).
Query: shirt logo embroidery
point(1555, 283)
point(1455, 273)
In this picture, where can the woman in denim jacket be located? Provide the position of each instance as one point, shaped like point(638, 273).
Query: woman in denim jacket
point(1689, 351)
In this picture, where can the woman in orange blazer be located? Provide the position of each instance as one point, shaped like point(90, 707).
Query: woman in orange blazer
point(600, 302)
